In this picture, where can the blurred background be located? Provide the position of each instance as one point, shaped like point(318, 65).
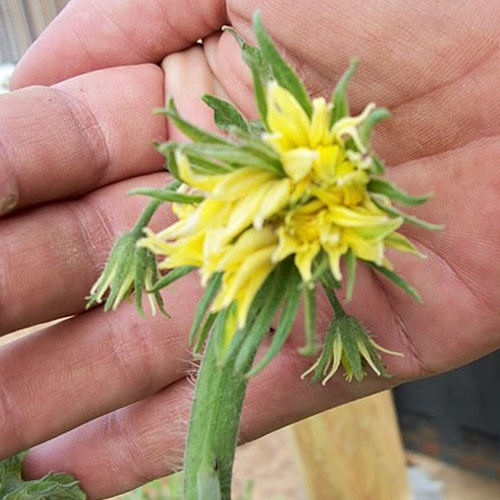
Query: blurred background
point(450, 425)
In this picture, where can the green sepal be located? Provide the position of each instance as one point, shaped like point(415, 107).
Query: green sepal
point(225, 114)
point(171, 164)
point(287, 319)
point(348, 335)
point(172, 276)
point(395, 278)
point(141, 269)
point(339, 98)
point(194, 133)
point(366, 128)
point(219, 332)
point(326, 353)
point(204, 304)
point(386, 188)
point(350, 259)
point(378, 165)
point(234, 155)
point(53, 486)
point(166, 195)
point(262, 323)
point(310, 309)
point(381, 203)
point(204, 332)
point(283, 73)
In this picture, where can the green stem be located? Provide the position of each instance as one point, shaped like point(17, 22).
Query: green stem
point(213, 428)
point(334, 302)
point(146, 216)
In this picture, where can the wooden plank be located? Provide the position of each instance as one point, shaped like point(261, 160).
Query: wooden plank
point(353, 452)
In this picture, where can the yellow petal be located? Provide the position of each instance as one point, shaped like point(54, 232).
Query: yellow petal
point(202, 182)
point(236, 184)
point(287, 246)
point(325, 166)
point(348, 127)
point(334, 253)
point(318, 131)
point(298, 162)
point(347, 217)
point(247, 244)
point(304, 259)
point(403, 244)
point(364, 248)
point(248, 292)
point(276, 199)
point(286, 116)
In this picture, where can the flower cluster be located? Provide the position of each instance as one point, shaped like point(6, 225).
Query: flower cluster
point(300, 185)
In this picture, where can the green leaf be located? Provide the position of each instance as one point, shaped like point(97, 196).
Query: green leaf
point(395, 278)
point(287, 319)
point(351, 273)
point(252, 56)
point(166, 195)
point(310, 310)
point(188, 129)
point(283, 73)
point(54, 486)
point(350, 347)
point(225, 114)
point(172, 276)
point(339, 98)
point(386, 188)
point(382, 204)
point(204, 303)
point(260, 69)
point(366, 129)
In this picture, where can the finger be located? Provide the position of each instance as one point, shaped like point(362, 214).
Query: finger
point(108, 361)
point(66, 140)
point(90, 35)
point(458, 321)
point(51, 256)
point(72, 253)
point(146, 440)
point(425, 95)
point(187, 78)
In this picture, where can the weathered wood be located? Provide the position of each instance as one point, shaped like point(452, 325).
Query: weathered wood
point(353, 452)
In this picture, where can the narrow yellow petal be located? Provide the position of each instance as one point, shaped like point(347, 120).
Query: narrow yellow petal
point(298, 162)
point(276, 199)
point(304, 259)
point(248, 292)
point(347, 217)
point(318, 131)
point(236, 184)
point(286, 116)
point(202, 182)
point(334, 253)
point(403, 244)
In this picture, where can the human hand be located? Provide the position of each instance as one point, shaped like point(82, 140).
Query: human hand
point(115, 360)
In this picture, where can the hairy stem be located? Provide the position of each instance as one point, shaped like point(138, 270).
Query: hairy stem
point(213, 428)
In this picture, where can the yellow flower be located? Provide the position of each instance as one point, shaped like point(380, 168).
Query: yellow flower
point(253, 218)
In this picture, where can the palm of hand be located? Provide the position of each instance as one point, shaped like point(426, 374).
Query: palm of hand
point(433, 68)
